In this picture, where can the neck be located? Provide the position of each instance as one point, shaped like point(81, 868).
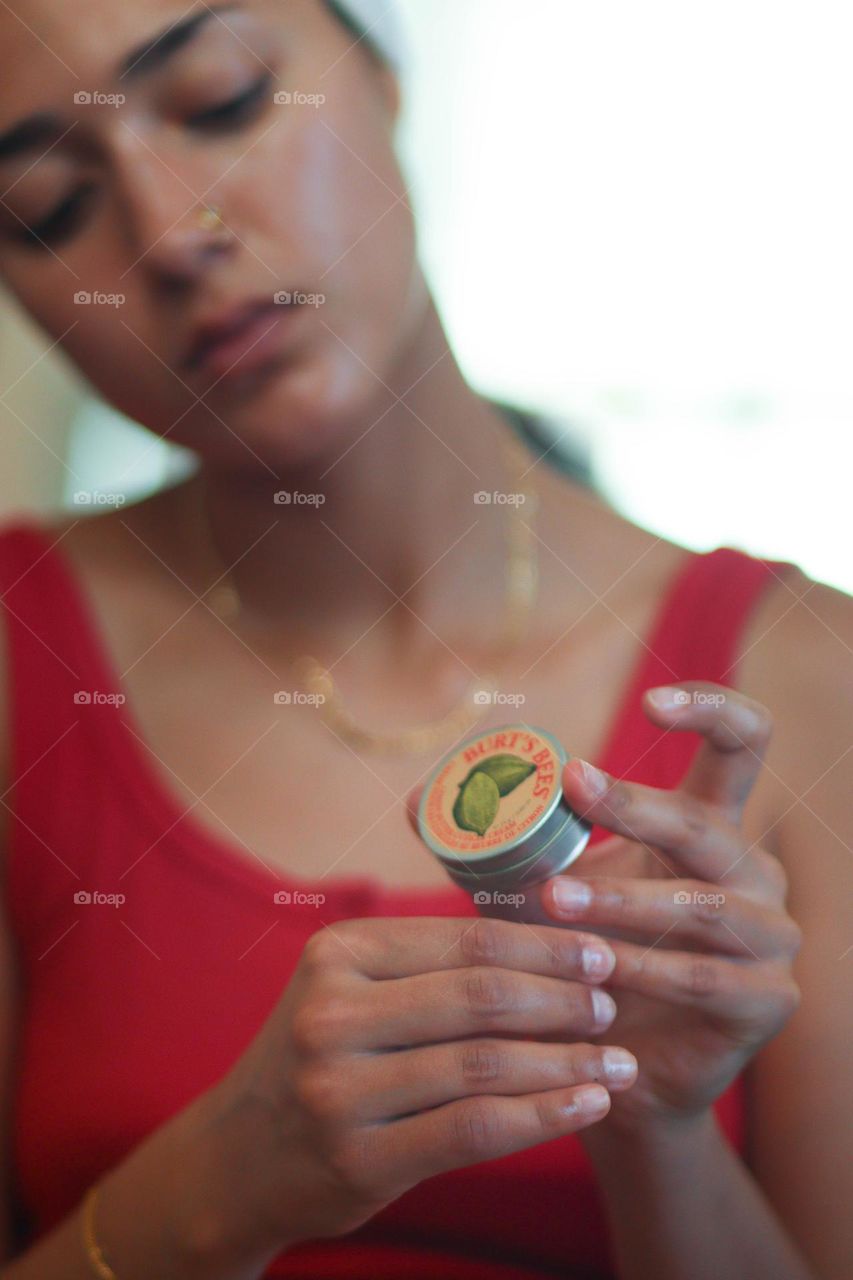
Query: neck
point(397, 556)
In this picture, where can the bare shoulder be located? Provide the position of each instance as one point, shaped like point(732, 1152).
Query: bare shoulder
point(797, 660)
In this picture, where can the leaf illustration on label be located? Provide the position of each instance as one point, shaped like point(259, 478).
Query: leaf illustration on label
point(477, 803)
point(506, 771)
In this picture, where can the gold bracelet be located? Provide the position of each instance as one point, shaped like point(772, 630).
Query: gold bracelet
point(97, 1261)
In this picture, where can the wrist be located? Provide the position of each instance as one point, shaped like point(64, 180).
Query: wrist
point(216, 1228)
point(651, 1138)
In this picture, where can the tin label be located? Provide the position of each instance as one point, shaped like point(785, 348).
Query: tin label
point(493, 791)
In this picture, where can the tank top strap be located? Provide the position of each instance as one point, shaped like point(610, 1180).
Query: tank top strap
point(53, 664)
point(696, 636)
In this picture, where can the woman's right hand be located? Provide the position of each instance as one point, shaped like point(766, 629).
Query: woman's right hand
point(403, 1048)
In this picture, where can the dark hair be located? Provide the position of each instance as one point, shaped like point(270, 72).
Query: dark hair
point(355, 28)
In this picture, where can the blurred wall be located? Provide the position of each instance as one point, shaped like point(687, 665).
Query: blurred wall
point(39, 398)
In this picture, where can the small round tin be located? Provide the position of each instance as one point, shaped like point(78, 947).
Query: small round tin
point(493, 811)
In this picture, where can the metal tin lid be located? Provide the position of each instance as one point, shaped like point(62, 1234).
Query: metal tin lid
point(488, 805)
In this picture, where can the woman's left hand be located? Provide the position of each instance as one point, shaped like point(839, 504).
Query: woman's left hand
point(696, 915)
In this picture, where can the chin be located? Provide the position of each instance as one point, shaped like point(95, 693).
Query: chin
point(308, 415)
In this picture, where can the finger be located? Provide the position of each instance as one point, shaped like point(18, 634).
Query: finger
point(470, 1130)
point(399, 948)
point(431, 1007)
point(736, 732)
point(746, 995)
point(687, 912)
point(693, 834)
point(390, 1085)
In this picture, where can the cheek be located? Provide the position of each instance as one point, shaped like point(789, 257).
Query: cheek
point(325, 202)
point(126, 374)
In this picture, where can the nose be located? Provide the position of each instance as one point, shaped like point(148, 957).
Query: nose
point(174, 232)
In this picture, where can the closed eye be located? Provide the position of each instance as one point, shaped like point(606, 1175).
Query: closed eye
point(235, 111)
point(61, 221)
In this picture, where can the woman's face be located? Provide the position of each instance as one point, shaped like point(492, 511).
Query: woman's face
point(268, 111)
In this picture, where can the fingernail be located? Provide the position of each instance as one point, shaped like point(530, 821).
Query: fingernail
point(592, 1098)
point(667, 698)
point(594, 780)
point(619, 1064)
point(604, 1008)
point(571, 896)
point(597, 962)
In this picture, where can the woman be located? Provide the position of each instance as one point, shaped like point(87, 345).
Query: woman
point(249, 1027)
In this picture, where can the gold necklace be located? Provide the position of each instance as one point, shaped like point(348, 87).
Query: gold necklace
point(521, 588)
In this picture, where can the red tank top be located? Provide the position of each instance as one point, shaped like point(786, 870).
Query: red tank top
point(130, 1011)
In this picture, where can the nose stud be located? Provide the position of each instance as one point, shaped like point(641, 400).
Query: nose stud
point(210, 217)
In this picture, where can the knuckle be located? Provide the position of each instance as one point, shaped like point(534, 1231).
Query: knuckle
point(483, 943)
point(320, 1095)
point(477, 1127)
point(693, 818)
point(345, 1161)
point(485, 992)
point(618, 798)
point(320, 951)
point(704, 908)
point(702, 977)
point(482, 1062)
point(318, 1025)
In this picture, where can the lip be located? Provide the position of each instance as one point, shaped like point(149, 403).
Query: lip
point(240, 340)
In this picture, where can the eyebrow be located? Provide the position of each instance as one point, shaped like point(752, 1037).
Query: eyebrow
point(43, 126)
